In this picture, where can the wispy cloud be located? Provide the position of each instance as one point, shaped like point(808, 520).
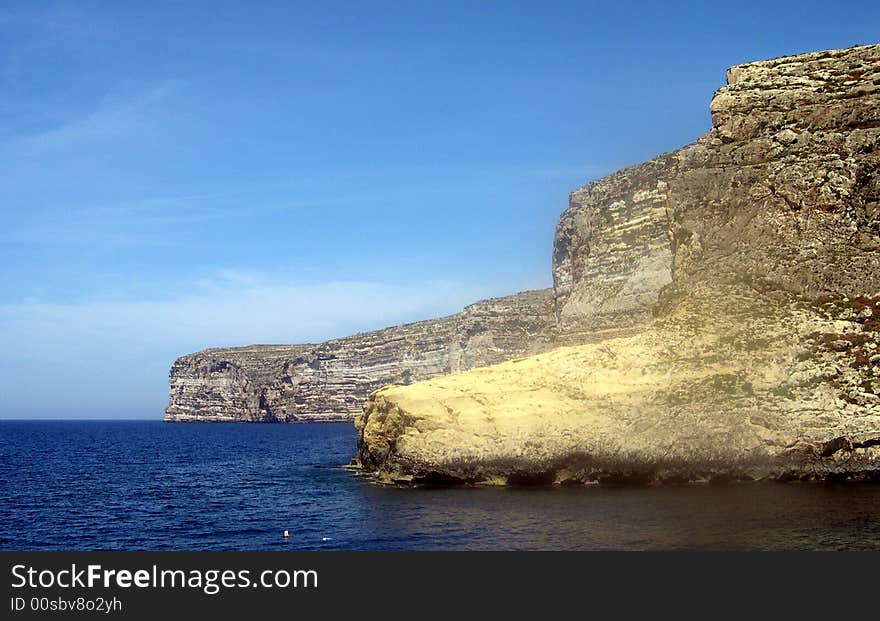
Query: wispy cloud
point(87, 237)
point(121, 115)
point(237, 307)
point(106, 355)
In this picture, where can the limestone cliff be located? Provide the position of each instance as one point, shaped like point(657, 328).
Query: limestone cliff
point(329, 381)
point(782, 191)
point(746, 267)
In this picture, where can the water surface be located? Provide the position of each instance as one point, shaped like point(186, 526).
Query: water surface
point(148, 485)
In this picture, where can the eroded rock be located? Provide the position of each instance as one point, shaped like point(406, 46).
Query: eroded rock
point(729, 385)
point(735, 262)
point(326, 382)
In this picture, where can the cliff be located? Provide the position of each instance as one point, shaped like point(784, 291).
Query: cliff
point(746, 267)
point(329, 381)
point(781, 191)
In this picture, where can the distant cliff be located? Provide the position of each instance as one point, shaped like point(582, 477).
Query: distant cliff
point(329, 381)
point(746, 267)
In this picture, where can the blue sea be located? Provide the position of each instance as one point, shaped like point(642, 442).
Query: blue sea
point(148, 485)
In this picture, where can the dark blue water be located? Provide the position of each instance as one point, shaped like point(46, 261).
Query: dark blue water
point(144, 485)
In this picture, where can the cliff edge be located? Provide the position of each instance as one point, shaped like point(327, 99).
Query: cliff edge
point(329, 381)
point(747, 267)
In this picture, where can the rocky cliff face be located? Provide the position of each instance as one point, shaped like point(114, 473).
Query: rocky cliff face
point(329, 381)
point(782, 192)
point(747, 267)
point(728, 385)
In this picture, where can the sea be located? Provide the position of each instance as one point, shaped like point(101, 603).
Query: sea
point(149, 485)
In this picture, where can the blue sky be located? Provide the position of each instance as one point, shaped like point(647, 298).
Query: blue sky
point(177, 175)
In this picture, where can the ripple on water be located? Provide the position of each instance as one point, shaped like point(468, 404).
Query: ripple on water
point(155, 486)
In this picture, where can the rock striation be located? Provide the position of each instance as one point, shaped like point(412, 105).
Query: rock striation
point(783, 191)
point(329, 381)
point(745, 268)
point(728, 385)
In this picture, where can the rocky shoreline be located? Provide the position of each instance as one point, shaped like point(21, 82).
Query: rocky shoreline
point(727, 387)
point(746, 267)
point(714, 316)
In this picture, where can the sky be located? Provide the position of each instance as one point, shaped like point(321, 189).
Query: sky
point(180, 175)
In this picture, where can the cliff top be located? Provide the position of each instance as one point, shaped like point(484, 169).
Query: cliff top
point(777, 69)
point(788, 92)
point(273, 351)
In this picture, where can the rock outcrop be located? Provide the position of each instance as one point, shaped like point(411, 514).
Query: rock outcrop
point(782, 191)
point(329, 381)
point(746, 267)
